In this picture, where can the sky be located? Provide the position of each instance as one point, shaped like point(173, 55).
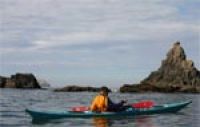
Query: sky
point(94, 42)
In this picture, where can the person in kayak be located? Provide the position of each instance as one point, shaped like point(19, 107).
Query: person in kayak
point(102, 102)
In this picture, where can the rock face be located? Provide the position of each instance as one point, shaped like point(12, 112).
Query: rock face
point(2, 81)
point(176, 74)
point(19, 80)
point(75, 88)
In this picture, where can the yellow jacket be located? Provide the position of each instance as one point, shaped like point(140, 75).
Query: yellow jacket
point(100, 103)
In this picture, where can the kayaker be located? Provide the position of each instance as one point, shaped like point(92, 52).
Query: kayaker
point(102, 102)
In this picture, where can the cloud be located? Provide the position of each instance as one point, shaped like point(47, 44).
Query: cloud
point(80, 38)
point(35, 25)
point(72, 16)
point(165, 30)
point(95, 32)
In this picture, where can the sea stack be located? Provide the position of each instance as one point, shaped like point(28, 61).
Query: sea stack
point(176, 74)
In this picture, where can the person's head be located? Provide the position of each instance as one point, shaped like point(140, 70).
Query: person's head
point(104, 91)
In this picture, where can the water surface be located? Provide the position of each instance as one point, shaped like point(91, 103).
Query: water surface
point(13, 102)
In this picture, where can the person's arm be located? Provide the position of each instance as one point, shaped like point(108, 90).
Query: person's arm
point(93, 105)
point(105, 106)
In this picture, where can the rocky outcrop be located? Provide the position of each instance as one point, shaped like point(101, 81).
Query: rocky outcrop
point(19, 80)
point(176, 74)
point(75, 88)
point(2, 81)
point(43, 83)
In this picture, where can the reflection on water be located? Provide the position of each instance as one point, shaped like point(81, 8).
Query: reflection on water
point(120, 121)
point(144, 121)
point(138, 121)
point(101, 122)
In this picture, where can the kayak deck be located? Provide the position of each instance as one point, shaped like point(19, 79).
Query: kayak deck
point(165, 108)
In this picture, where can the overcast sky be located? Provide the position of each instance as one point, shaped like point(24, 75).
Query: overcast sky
point(94, 42)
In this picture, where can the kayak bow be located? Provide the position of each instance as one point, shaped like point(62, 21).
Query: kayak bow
point(165, 108)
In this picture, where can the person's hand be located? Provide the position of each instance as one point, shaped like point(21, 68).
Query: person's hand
point(124, 101)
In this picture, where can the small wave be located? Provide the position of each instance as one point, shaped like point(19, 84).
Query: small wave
point(4, 111)
point(12, 115)
point(13, 125)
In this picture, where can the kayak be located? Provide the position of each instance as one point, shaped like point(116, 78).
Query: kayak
point(49, 114)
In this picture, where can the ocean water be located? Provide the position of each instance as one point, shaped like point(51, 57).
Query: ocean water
point(13, 103)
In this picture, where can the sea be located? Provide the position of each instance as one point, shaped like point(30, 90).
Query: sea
point(13, 103)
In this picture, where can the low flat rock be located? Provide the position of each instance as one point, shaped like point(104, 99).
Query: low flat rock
point(76, 88)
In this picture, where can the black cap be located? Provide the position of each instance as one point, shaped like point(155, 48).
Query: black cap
point(104, 89)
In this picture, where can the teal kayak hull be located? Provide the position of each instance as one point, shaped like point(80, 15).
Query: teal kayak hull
point(165, 108)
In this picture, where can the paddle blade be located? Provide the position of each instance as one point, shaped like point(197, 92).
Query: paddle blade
point(80, 108)
point(143, 104)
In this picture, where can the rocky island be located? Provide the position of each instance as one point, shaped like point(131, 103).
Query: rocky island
point(176, 74)
point(19, 80)
point(75, 88)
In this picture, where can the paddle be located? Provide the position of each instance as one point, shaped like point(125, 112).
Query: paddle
point(140, 104)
